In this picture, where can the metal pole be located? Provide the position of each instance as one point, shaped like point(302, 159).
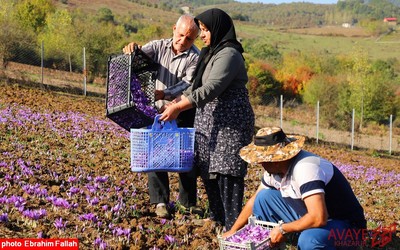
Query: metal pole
point(41, 61)
point(281, 109)
point(352, 130)
point(84, 71)
point(390, 134)
point(317, 121)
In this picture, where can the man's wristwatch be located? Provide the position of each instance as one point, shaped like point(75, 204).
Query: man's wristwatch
point(280, 223)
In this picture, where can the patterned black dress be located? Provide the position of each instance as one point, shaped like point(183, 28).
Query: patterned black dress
point(223, 127)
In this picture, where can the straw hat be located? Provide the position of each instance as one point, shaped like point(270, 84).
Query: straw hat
point(271, 144)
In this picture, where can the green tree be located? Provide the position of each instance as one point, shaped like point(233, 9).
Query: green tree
point(60, 40)
point(100, 42)
point(263, 50)
point(105, 15)
point(369, 90)
point(13, 37)
point(32, 13)
point(150, 32)
point(323, 88)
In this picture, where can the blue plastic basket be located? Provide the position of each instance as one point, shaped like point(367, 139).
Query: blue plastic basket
point(162, 147)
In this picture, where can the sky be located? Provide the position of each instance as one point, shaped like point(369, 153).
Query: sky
point(291, 1)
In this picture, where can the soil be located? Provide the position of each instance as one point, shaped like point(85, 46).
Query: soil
point(60, 153)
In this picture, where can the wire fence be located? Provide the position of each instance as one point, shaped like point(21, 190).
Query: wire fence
point(32, 68)
point(306, 122)
point(52, 72)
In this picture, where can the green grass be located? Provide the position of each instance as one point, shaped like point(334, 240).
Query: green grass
point(289, 42)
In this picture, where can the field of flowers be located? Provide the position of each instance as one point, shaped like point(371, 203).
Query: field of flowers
point(64, 173)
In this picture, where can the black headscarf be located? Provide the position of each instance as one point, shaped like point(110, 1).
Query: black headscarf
point(223, 35)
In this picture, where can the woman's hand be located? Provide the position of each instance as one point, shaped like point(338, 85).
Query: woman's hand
point(228, 233)
point(171, 112)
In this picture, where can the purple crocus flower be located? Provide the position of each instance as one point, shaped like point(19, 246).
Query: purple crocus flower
point(4, 217)
point(72, 179)
point(40, 235)
point(59, 224)
point(169, 239)
point(98, 242)
point(88, 217)
point(101, 179)
point(35, 214)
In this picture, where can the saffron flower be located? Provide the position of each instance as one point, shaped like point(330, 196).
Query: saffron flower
point(59, 224)
point(4, 217)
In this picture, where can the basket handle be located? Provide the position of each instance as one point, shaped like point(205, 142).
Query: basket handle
point(161, 125)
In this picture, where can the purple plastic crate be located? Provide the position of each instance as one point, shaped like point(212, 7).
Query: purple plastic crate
point(130, 90)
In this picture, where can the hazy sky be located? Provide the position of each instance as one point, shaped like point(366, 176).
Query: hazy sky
point(291, 1)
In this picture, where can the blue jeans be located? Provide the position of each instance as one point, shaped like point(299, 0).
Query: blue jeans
point(270, 206)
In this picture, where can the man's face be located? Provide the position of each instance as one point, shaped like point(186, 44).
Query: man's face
point(278, 168)
point(183, 37)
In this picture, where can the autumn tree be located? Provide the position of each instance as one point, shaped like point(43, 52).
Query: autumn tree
point(294, 73)
point(263, 87)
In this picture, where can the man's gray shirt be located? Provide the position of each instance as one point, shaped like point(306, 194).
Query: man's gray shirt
point(175, 71)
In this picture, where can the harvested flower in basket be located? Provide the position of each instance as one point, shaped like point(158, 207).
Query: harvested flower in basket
point(250, 233)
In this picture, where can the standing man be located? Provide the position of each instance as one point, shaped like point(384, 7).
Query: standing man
point(177, 59)
point(301, 191)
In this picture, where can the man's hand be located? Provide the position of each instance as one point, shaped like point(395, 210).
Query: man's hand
point(276, 236)
point(159, 95)
point(130, 47)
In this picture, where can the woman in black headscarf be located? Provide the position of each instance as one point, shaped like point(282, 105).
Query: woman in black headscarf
point(224, 119)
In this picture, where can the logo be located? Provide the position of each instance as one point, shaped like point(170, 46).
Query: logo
point(381, 236)
point(350, 237)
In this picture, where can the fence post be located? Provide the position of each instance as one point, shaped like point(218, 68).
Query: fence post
point(281, 108)
point(317, 121)
point(84, 71)
point(41, 60)
point(390, 134)
point(352, 130)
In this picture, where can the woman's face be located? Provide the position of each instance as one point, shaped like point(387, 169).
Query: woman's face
point(205, 34)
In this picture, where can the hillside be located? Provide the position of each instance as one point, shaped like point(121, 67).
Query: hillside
point(332, 38)
point(292, 15)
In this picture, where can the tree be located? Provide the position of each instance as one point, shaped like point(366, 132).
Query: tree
point(263, 87)
point(323, 88)
point(60, 40)
point(12, 35)
point(100, 43)
point(369, 90)
point(294, 73)
point(32, 13)
point(105, 15)
point(263, 50)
